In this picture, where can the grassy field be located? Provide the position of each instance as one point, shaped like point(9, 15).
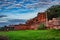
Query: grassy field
point(33, 35)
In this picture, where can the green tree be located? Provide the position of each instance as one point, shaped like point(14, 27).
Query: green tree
point(53, 12)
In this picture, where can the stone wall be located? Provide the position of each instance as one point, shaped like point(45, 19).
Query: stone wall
point(53, 24)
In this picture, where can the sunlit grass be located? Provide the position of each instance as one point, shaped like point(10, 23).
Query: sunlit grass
point(32, 35)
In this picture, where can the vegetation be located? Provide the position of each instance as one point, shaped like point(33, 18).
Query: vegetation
point(41, 26)
point(32, 35)
point(54, 12)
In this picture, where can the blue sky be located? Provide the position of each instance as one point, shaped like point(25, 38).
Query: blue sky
point(23, 9)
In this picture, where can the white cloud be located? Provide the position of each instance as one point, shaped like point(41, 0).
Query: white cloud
point(21, 16)
point(14, 5)
point(35, 3)
point(55, 3)
point(3, 20)
point(18, 5)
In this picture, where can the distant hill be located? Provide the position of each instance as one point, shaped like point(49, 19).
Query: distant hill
point(53, 12)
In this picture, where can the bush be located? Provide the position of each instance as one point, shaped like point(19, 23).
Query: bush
point(41, 26)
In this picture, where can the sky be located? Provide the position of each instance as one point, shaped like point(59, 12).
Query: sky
point(23, 9)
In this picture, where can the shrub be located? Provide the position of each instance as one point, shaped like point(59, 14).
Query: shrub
point(41, 26)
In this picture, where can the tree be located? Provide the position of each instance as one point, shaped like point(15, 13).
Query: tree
point(53, 12)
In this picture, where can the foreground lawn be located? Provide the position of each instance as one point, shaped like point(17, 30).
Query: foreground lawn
point(32, 35)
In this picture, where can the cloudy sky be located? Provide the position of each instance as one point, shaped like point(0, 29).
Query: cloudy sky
point(23, 9)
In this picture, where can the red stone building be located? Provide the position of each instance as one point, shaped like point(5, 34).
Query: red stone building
point(41, 17)
point(53, 24)
point(31, 24)
point(20, 27)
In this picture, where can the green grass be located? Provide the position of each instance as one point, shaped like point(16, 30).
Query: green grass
point(33, 35)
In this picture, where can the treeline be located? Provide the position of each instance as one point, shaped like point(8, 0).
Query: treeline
point(53, 12)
